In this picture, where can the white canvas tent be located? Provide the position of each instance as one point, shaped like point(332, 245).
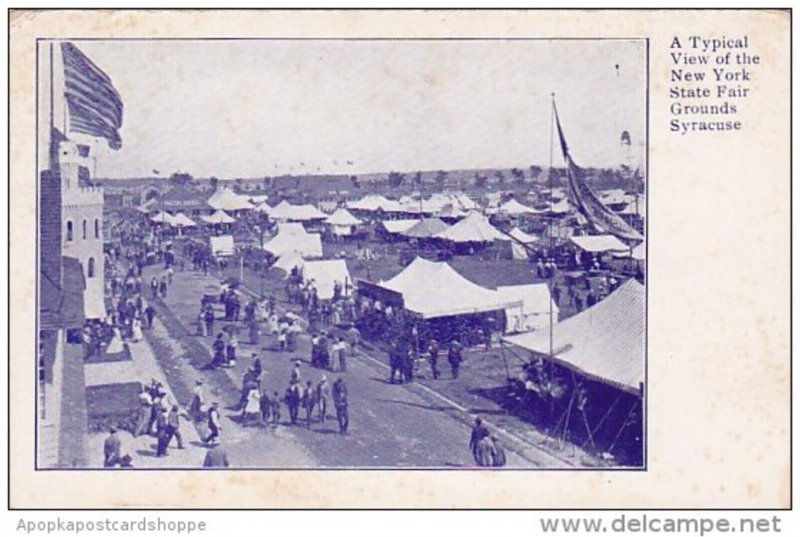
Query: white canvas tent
point(637, 254)
point(515, 208)
point(535, 311)
point(306, 212)
point(219, 217)
point(298, 213)
point(561, 207)
point(434, 289)
point(288, 261)
point(599, 243)
point(604, 342)
point(342, 222)
point(520, 236)
point(474, 228)
point(425, 228)
point(294, 238)
point(222, 246)
point(373, 202)
point(162, 217)
point(325, 274)
point(181, 220)
point(399, 226)
point(225, 199)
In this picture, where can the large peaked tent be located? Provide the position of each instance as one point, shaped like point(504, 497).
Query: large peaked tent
point(219, 217)
point(474, 228)
point(515, 208)
point(342, 222)
point(425, 228)
point(434, 289)
point(599, 243)
point(604, 342)
point(537, 305)
point(225, 199)
point(325, 274)
point(294, 238)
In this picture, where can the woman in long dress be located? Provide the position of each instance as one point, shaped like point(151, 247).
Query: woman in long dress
point(116, 344)
point(252, 410)
point(136, 330)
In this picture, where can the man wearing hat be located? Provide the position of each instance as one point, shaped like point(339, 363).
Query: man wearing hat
point(454, 358)
point(111, 447)
point(173, 426)
point(196, 406)
point(295, 378)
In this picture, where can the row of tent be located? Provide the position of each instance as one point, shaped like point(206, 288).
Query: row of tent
point(438, 203)
point(180, 220)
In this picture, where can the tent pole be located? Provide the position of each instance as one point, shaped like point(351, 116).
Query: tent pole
point(606, 415)
point(622, 427)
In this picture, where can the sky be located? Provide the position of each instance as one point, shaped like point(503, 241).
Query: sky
point(243, 108)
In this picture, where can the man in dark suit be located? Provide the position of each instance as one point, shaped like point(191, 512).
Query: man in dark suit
point(216, 457)
point(111, 448)
point(479, 432)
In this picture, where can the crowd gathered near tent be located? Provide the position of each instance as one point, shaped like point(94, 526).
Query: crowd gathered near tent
point(570, 336)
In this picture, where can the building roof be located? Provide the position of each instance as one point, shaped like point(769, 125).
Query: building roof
point(181, 198)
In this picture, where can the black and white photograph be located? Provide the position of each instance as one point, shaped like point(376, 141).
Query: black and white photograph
point(341, 254)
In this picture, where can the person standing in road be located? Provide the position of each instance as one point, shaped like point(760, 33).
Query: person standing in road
point(214, 426)
point(340, 402)
point(111, 449)
point(323, 393)
point(454, 358)
point(198, 398)
point(433, 357)
point(292, 399)
point(149, 314)
point(485, 452)
point(275, 405)
point(216, 457)
point(208, 317)
point(499, 458)
point(340, 354)
point(309, 402)
point(173, 426)
point(479, 432)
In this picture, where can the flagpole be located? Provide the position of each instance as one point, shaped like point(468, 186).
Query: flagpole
point(52, 93)
point(550, 241)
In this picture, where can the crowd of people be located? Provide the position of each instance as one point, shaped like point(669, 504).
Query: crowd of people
point(335, 329)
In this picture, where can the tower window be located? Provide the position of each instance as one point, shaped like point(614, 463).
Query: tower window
point(69, 231)
point(90, 269)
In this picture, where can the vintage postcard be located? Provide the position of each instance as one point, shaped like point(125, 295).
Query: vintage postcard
point(400, 259)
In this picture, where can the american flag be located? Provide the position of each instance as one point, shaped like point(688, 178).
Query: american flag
point(95, 107)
